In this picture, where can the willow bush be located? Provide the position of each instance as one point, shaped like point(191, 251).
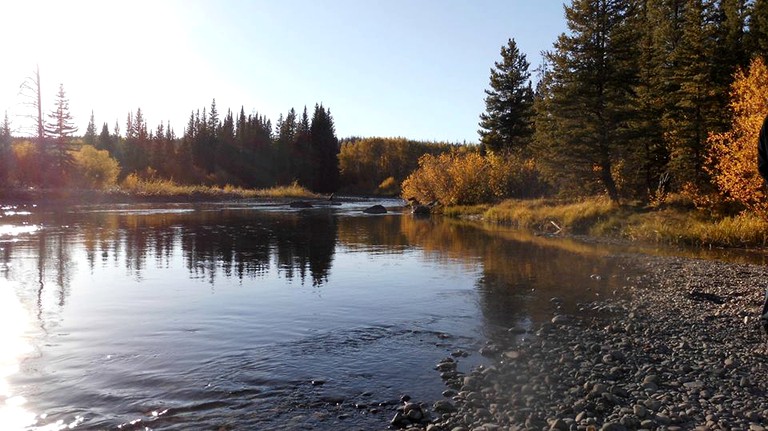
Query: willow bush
point(469, 178)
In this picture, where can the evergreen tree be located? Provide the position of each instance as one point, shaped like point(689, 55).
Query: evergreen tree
point(5, 151)
point(59, 129)
point(135, 153)
point(90, 133)
point(301, 151)
point(757, 33)
point(286, 129)
point(105, 141)
point(655, 24)
point(697, 108)
point(507, 121)
point(585, 99)
point(325, 150)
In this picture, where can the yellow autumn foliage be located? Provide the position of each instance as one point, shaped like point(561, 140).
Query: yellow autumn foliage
point(95, 168)
point(732, 159)
point(469, 178)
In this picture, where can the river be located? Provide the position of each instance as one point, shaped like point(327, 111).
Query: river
point(257, 315)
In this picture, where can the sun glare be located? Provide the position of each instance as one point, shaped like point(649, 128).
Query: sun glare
point(111, 57)
point(14, 323)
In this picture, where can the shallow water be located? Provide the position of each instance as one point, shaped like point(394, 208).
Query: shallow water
point(222, 316)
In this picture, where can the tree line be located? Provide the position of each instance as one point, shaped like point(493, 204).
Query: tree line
point(625, 104)
point(233, 149)
point(626, 99)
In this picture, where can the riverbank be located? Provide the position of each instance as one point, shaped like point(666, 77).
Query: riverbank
point(676, 222)
point(682, 351)
point(149, 192)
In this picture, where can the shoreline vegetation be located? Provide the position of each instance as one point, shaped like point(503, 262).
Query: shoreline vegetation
point(675, 223)
point(149, 191)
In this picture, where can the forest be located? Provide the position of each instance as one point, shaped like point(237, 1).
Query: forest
point(639, 100)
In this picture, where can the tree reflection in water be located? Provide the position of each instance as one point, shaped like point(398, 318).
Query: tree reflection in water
point(520, 272)
point(218, 242)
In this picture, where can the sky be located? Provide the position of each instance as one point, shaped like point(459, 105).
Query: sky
point(392, 68)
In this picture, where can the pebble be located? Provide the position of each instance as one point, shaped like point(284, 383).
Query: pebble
point(652, 358)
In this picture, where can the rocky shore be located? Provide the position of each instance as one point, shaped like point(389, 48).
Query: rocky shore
point(683, 350)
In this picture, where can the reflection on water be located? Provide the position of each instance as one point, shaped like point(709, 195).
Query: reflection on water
point(221, 315)
point(14, 323)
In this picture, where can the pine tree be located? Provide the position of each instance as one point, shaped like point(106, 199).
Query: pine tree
point(90, 132)
point(655, 21)
point(302, 150)
point(757, 34)
point(697, 109)
point(5, 151)
point(135, 154)
point(585, 99)
point(105, 141)
point(59, 129)
point(325, 150)
point(507, 120)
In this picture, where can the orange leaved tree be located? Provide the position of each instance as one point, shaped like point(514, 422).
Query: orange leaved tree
point(732, 159)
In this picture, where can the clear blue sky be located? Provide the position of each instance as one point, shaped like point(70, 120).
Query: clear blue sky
point(411, 68)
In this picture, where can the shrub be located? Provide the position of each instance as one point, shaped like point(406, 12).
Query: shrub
point(469, 178)
point(95, 168)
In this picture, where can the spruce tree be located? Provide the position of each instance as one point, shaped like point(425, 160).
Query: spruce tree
point(584, 99)
point(105, 142)
point(325, 151)
point(59, 129)
point(757, 33)
point(507, 121)
point(301, 151)
point(5, 151)
point(650, 23)
point(697, 109)
point(90, 132)
point(283, 163)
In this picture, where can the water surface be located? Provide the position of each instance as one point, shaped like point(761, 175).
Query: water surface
point(222, 316)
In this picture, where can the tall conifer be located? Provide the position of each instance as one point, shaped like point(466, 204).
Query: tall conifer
point(507, 120)
point(584, 99)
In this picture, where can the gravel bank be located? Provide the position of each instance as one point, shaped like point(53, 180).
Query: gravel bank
point(683, 351)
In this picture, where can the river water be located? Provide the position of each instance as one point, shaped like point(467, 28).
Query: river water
point(258, 316)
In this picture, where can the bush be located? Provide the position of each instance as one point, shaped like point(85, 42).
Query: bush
point(469, 178)
point(94, 168)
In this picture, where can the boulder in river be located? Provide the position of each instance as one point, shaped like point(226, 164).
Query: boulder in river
point(376, 209)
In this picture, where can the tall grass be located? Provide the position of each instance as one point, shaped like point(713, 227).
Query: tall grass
point(690, 228)
point(554, 216)
point(678, 225)
point(158, 187)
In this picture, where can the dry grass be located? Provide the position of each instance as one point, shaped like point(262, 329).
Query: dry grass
point(168, 188)
point(681, 225)
point(548, 215)
point(691, 228)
